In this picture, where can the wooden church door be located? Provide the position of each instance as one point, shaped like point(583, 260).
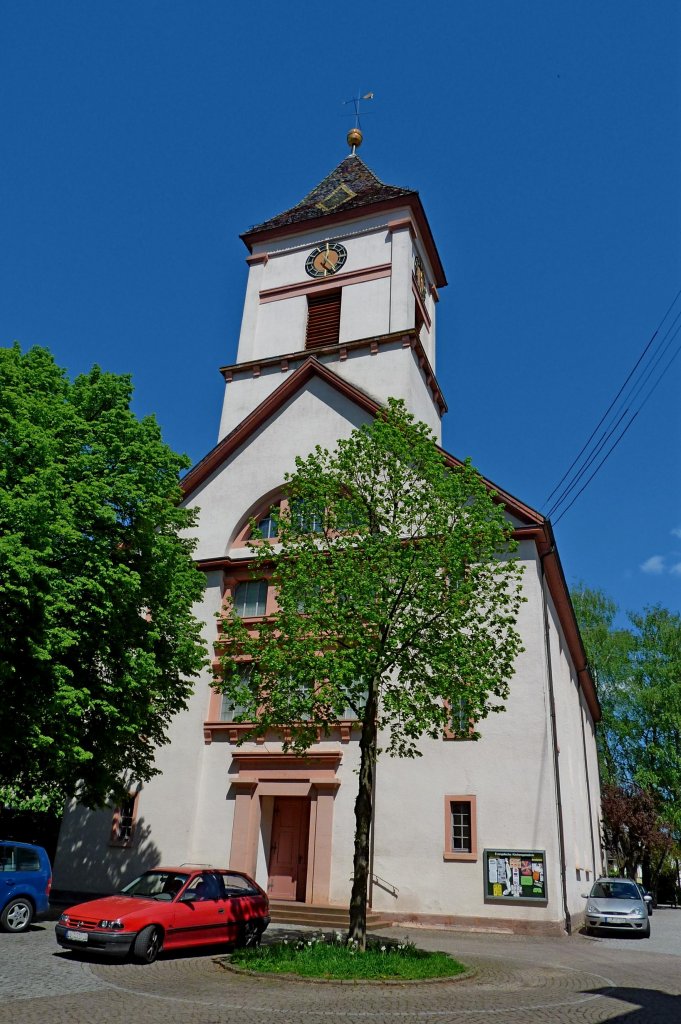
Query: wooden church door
point(288, 849)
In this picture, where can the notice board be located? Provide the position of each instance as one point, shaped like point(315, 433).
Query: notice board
point(515, 875)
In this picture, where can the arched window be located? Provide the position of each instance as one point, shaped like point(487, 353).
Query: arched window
point(268, 525)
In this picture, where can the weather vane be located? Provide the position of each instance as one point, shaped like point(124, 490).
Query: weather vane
point(355, 134)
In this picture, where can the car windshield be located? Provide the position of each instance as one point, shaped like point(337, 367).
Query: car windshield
point(155, 884)
point(615, 891)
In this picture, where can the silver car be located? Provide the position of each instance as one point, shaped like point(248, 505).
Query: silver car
point(616, 903)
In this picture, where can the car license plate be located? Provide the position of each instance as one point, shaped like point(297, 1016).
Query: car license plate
point(76, 936)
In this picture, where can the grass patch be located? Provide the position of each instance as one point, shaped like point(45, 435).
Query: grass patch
point(329, 957)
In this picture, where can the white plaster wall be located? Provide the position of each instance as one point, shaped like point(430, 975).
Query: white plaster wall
point(286, 260)
point(249, 318)
point(316, 415)
point(402, 302)
point(574, 769)
point(368, 244)
point(365, 310)
point(280, 327)
point(509, 770)
point(393, 372)
point(344, 824)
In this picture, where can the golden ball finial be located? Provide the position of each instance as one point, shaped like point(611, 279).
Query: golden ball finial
point(354, 138)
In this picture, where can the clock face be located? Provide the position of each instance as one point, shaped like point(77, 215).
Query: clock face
point(326, 259)
point(420, 277)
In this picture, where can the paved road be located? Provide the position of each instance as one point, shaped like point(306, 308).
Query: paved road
point(519, 980)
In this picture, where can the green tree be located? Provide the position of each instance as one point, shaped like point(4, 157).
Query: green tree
point(653, 708)
point(397, 598)
point(609, 649)
point(96, 585)
point(638, 674)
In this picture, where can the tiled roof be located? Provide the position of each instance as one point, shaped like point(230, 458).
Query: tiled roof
point(348, 186)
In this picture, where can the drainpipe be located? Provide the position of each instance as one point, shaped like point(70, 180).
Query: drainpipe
point(554, 743)
point(588, 784)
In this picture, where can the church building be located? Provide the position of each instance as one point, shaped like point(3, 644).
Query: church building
point(339, 315)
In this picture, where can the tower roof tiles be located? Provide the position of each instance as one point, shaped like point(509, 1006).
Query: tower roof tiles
point(348, 186)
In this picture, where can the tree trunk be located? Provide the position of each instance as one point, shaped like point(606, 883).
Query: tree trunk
point(363, 809)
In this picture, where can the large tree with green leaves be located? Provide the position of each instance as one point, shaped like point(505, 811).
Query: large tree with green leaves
point(609, 648)
point(638, 673)
point(97, 639)
point(398, 595)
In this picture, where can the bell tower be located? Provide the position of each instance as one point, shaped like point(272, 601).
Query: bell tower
point(350, 277)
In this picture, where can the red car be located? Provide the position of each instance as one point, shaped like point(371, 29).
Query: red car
point(168, 908)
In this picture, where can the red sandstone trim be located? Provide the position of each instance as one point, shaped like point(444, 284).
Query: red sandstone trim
point(409, 340)
point(287, 291)
point(399, 225)
point(476, 924)
point(449, 853)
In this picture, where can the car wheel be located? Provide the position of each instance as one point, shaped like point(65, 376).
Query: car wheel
point(148, 944)
point(250, 934)
point(646, 934)
point(589, 931)
point(17, 915)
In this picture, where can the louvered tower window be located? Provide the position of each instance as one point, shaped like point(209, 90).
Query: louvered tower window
point(323, 319)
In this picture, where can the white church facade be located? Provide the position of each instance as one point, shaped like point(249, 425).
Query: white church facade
point(339, 315)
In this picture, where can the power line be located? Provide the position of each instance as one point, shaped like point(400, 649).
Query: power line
point(617, 441)
point(671, 333)
point(619, 414)
point(615, 399)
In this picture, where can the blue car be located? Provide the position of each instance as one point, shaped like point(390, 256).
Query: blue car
point(25, 880)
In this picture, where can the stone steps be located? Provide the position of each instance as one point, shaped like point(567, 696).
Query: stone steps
point(326, 917)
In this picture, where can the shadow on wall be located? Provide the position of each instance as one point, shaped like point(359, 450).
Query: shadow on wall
point(88, 864)
point(646, 1006)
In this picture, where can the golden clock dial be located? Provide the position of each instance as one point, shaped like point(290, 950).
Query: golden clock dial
point(326, 259)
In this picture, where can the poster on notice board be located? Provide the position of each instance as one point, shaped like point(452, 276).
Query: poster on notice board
point(518, 875)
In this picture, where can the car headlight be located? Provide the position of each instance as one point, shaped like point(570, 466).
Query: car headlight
point(637, 912)
point(64, 919)
point(591, 909)
point(115, 925)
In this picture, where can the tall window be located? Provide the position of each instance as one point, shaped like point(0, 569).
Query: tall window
point(228, 709)
point(460, 828)
point(323, 319)
point(250, 598)
point(462, 725)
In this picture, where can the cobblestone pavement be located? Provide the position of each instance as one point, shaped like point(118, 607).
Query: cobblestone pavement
point(519, 980)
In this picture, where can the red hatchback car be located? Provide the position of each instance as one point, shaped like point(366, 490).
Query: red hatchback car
point(168, 908)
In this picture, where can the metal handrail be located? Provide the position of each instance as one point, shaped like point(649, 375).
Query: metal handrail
point(382, 884)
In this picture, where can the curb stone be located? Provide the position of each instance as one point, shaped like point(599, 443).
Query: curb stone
point(226, 965)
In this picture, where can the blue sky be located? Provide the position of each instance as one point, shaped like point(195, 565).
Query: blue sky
point(140, 139)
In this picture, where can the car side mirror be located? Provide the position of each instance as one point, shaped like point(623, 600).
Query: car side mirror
point(585, 895)
point(648, 898)
point(187, 897)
